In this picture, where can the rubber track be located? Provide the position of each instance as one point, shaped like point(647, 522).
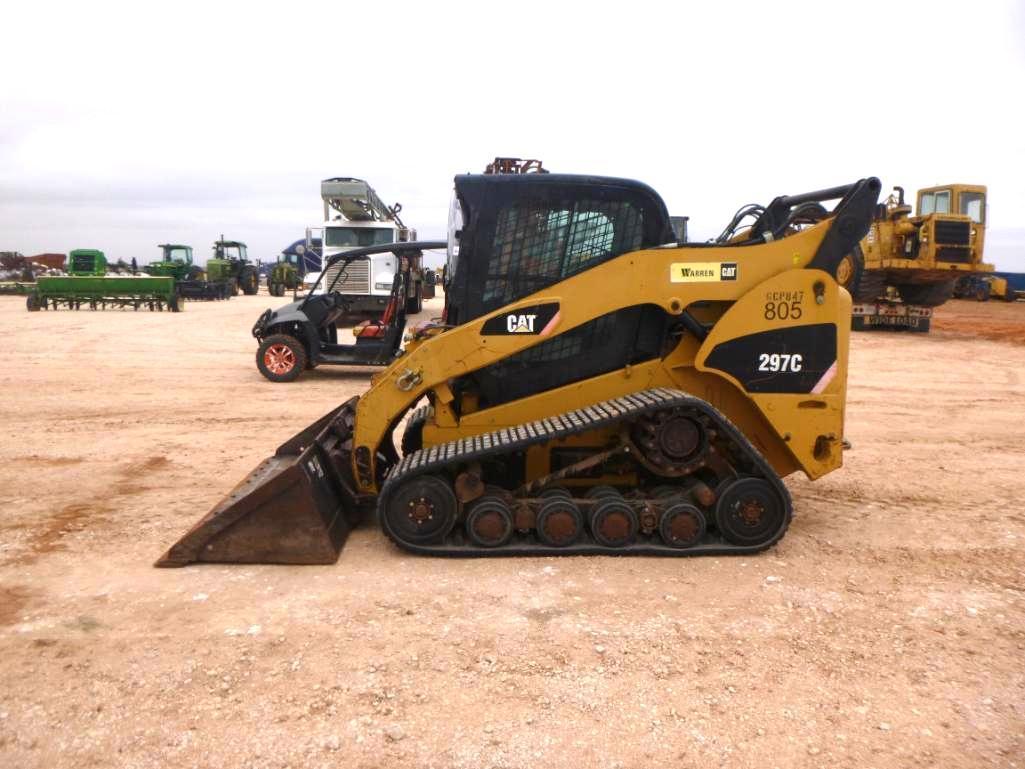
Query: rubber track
point(489, 445)
point(417, 419)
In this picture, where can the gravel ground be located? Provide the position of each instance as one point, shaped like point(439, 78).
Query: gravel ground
point(886, 630)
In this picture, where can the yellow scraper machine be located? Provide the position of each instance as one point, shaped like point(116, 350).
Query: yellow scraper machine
point(593, 387)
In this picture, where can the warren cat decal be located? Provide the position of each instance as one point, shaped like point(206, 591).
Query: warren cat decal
point(536, 320)
point(702, 272)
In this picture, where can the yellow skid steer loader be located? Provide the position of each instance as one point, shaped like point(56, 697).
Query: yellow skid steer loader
point(594, 387)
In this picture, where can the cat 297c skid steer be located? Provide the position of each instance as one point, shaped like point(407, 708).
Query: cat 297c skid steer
point(593, 387)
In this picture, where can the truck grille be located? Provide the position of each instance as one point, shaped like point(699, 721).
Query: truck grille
point(355, 281)
point(953, 233)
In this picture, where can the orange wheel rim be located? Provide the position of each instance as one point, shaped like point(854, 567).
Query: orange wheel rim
point(279, 359)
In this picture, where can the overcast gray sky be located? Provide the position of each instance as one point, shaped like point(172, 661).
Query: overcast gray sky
point(127, 125)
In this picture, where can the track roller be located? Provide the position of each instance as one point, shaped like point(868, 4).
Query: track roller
point(559, 521)
point(600, 492)
point(613, 522)
point(489, 522)
point(682, 525)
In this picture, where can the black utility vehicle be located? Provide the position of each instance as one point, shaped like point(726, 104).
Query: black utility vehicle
point(304, 334)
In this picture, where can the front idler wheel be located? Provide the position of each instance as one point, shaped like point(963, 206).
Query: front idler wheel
point(749, 512)
point(489, 522)
point(281, 358)
point(422, 511)
point(682, 525)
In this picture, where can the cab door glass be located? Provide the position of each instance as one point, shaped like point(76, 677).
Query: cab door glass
point(973, 204)
point(943, 202)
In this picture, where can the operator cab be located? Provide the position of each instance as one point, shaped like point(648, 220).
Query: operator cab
point(965, 199)
point(229, 249)
point(174, 253)
point(511, 235)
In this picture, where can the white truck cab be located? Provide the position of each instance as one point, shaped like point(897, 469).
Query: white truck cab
point(355, 217)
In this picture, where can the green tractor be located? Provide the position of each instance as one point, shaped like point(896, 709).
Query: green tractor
point(231, 265)
point(176, 262)
point(190, 279)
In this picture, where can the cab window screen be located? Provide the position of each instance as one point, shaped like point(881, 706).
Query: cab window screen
point(538, 243)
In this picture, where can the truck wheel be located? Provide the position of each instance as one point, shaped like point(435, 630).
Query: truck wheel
point(871, 286)
point(982, 292)
point(281, 358)
point(32, 303)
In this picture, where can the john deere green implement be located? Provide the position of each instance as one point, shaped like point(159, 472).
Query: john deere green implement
point(87, 285)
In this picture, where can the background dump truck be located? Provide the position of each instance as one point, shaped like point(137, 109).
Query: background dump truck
point(355, 217)
point(913, 262)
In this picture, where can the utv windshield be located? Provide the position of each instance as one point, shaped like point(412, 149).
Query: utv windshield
point(357, 237)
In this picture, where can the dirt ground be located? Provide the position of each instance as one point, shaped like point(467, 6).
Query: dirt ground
point(886, 630)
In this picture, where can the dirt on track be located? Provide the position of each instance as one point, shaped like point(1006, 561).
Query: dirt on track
point(886, 630)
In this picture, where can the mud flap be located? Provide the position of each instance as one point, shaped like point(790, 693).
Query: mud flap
point(296, 507)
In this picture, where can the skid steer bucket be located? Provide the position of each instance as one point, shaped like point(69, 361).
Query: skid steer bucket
point(295, 507)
